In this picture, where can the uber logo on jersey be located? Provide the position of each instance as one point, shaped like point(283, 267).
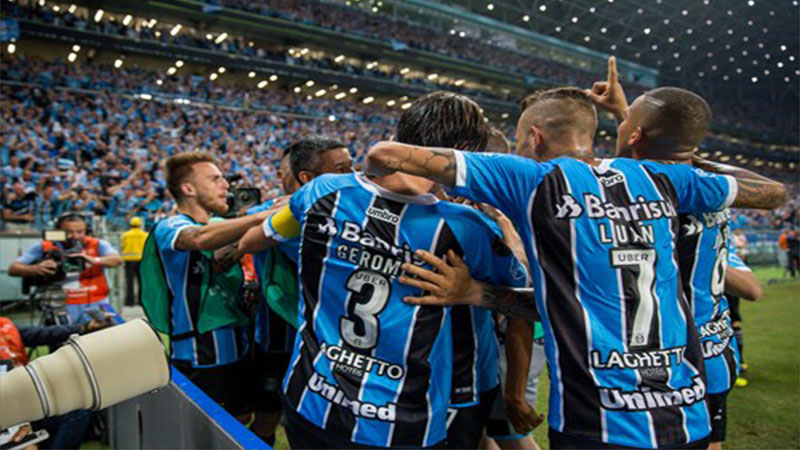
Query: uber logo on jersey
point(569, 209)
point(382, 214)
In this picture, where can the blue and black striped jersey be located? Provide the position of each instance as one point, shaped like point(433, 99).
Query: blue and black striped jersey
point(367, 365)
point(625, 363)
point(184, 274)
point(704, 249)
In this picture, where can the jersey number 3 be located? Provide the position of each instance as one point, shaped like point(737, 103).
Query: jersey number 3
point(369, 292)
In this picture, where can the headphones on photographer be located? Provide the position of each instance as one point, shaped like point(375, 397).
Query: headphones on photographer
point(72, 216)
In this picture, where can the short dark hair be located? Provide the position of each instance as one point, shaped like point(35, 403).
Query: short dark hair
point(564, 109)
point(444, 119)
point(179, 166)
point(305, 154)
point(70, 217)
point(685, 114)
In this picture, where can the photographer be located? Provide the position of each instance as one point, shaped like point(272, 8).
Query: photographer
point(77, 263)
point(182, 293)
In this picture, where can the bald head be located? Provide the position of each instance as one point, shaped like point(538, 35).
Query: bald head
point(559, 120)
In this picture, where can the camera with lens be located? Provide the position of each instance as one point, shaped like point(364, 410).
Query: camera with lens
point(67, 256)
point(241, 197)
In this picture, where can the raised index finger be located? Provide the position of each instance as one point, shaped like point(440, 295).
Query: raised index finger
point(612, 70)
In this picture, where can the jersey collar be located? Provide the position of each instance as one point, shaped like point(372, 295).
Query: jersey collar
point(423, 199)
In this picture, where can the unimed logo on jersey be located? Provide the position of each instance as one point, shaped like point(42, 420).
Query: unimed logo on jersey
point(384, 215)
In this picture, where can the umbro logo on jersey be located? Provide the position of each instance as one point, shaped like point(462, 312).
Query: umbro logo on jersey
point(382, 214)
point(609, 181)
point(569, 209)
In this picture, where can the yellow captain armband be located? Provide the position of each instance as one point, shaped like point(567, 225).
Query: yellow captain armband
point(282, 225)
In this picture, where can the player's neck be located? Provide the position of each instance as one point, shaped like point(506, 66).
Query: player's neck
point(193, 209)
point(571, 149)
point(671, 155)
point(401, 183)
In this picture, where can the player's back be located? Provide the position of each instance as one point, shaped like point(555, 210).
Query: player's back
point(625, 362)
point(366, 365)
point(704, 252)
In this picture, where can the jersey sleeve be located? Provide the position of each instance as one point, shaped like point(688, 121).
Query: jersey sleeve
point(262, 207)
point(33, 254)
point(105, 249)
point(699, 191)
point(503, 181)
point(282, 225)
point(166, 233)
point(488, 257)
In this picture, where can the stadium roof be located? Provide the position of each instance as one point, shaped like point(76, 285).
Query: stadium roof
point(724, 42)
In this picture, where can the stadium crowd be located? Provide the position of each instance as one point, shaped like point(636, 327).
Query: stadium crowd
point(90, 143)
point(748, 114)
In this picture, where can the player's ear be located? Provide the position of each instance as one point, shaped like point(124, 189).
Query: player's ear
point(188, 190)
point(304, 177)
point(636, 137)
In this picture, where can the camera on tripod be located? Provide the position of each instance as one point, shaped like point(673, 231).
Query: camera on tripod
point(67, 256)
point(240, 197)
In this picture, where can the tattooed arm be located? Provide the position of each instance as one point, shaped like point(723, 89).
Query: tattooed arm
point(755, 191)
point(217, 234)
point(437, 164)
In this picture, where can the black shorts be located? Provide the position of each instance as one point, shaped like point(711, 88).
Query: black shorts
point(567, 441)
point(268, 370)
point(231, 385)
point(466, 428)
point(718, 409)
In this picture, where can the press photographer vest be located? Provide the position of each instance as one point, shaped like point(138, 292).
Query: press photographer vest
point(11, 346)
point(91, 286)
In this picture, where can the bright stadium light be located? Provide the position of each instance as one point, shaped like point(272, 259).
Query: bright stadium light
point(251, 74)
point(76, 48)
point(261, 84)
point(213, 76)
point(72, 9)
point(504, 116)
point(297, 90)
point(127, 20)
point(11, 48)
point(179, 64)
point(353, 90)
point(56, 8)
point(209, 36)
point(433, 76)
point(404, 70)
point(273, 78)
point(332, 118)
point(339, 58)
point(490, 6)
point(320, 93)
point(152, 23)
point(391, 103)
point(171, 71)
point(647, 31)
point(221, 69)
point(406, 105)
point(574, 19)
point(175, 30)
point(368, 100)
point(340, 95)
point(145, 96)
point(459, 82)
point(310, 83)
point(543, 8)
point(221, 38)
point(72, 57)
point(526, 18)
point(159, 82)
point(98, 16)
point(118, 63)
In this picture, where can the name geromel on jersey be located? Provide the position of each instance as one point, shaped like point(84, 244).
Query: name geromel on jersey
point(366, 250)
